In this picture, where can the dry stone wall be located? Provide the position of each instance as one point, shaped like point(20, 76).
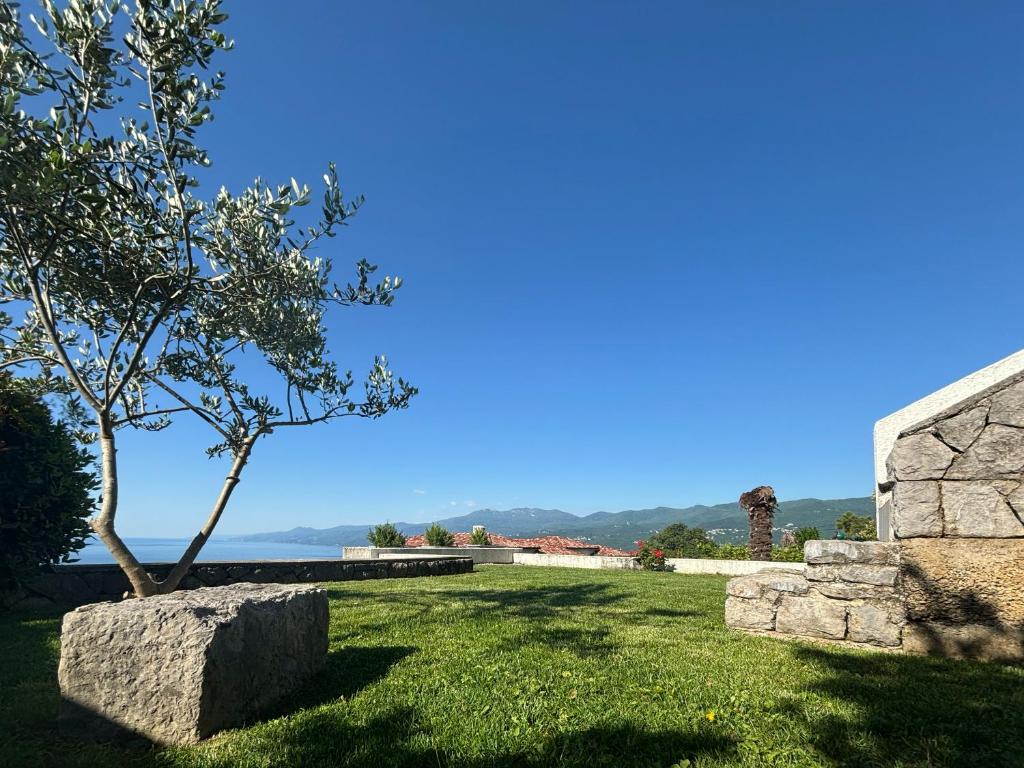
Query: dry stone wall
point(81, 584)
point(952, 581)
point(849, 591)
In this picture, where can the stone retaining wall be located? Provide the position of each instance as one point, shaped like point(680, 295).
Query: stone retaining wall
point(849, 591)
point(957, 485)
point(480, 555)
point(80, 584)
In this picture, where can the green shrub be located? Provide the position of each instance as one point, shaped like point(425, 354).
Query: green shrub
point(732, 552)
point(792, 554)
point(438, 536)
point(46, 484)
point(803, 535)
point(856, 527)
point(386, 535)
point(680, 540)
point(651, 558)
point(479, 537)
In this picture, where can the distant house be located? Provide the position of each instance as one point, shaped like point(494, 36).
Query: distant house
point(547, 545)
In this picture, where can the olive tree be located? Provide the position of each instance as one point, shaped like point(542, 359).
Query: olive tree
point(128, 293)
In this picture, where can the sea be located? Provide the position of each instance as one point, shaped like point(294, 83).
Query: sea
point(217, 548)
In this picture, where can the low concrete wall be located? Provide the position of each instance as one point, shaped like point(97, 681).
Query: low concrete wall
point(500, 555)
point(679, 564)
point(728, 567)
point(80, 584)
point(575, 561)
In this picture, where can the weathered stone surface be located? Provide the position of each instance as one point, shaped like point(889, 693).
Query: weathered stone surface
point(998, 452)
point(970, 581)
point(875, 624)
point(1008, 406)
point(177, 668)
point(834, 551)
point(920, 457)
point(767, 583)
point(842, 590)
point(811, 618)
point(884, 575)
point(965, 641)
point(749, 614)
point(980, 509)
point(961, 430)
point(916, 509)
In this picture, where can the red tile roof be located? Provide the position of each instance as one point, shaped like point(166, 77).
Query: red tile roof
point(549, 545)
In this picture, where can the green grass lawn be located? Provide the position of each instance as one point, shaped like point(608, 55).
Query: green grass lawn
point(544, 666)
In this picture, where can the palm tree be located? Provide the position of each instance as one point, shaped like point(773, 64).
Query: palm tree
point(760, 504)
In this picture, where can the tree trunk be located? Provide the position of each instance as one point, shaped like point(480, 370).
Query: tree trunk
point(760, 532)
point(230, 481)
point(144, 585)
point(760, 504)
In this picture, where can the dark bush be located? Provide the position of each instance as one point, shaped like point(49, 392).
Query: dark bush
point(386, 535)
point(803, 535)
point(46, 485)
point(680, 540)
point(438, 536)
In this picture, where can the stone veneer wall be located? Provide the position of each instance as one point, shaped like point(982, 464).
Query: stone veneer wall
point(957, 484)
point(81, 584)
point(849, 591)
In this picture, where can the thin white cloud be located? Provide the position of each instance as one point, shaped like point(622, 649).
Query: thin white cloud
point(469, 503)
point(419, 491)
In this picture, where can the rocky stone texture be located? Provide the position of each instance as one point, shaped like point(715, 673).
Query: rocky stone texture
point(917, 509)
point(834, 552)
point(81, 584)
point(968, 581)
point(812, 617)
point(177, 668)
point(920, 457)
point(982, 508)
point(971, 486)
point(847, 592)
point(962, 527)
point(965, 641)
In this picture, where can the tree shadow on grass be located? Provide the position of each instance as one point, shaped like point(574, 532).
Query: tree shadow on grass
point(581, 641)
point(398, 738)
point(529, 602)
point(920, 711)
point(348, 671)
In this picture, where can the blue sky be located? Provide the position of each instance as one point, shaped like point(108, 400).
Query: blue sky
point(655, 253)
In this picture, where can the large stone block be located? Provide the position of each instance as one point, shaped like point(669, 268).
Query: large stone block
point(916, 509)
point(875, 624)
point(881, 575)
point(834, 551)
point(842, 590)
point(811, 617)
point(741, 613)
point(998, 452)
point(981, 508)
point(768, 583)
point(920, 457)
point(966, 581)
point(177, 668)
point(961, 430)
point(1008, 406)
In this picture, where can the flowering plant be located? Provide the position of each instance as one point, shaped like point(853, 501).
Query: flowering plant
point(651, 559)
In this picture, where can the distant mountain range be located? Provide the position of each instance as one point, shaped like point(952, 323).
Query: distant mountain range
point(725, 523)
